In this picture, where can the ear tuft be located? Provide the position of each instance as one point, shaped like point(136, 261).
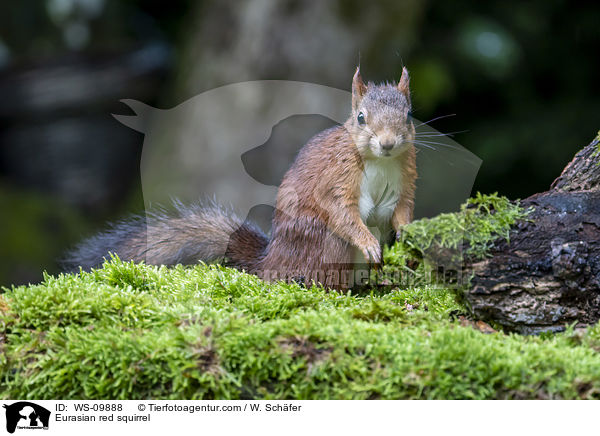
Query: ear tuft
point(358, 88)
point(404, 83)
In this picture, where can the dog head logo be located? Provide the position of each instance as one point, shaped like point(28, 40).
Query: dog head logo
point(26, 415)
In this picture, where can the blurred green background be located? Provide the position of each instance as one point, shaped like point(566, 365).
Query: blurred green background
point(521, 77)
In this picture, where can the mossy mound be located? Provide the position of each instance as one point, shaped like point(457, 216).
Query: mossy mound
point(130, 331)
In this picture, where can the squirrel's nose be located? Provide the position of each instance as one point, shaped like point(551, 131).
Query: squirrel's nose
point(387, 145)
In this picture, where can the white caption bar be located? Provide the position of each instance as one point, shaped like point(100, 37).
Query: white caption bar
point(154, 417)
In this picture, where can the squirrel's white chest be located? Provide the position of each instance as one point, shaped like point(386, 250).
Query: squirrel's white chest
point(379, 191)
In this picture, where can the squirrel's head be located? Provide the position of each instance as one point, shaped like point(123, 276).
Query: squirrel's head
point(381, 123)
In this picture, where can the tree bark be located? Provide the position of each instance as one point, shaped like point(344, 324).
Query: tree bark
point(548, 275)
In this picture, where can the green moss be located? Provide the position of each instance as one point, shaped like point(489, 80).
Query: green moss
point(427, 245)
point(137, 331)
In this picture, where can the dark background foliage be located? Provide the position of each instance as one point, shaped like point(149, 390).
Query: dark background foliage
point(521, 78)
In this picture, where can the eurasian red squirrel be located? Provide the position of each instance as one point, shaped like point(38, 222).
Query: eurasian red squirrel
point(343, 181)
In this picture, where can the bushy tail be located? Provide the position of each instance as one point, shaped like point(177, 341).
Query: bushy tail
point(191, 234)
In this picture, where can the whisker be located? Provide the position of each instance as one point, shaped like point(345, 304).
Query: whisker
point(431, 143)
point(425, 145)
point(435, 142)
point(440, 143)
point(435, 119)
point(432, 134)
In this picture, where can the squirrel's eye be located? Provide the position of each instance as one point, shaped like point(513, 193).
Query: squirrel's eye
point(361, 118)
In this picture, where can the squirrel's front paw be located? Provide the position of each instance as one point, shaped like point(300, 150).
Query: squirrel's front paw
point(399, 233)
point(372, 251)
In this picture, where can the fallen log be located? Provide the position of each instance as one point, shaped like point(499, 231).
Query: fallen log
point(547, 275)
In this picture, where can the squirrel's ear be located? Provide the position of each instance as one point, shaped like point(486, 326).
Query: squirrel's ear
point(403, 84)
point(358, 89)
